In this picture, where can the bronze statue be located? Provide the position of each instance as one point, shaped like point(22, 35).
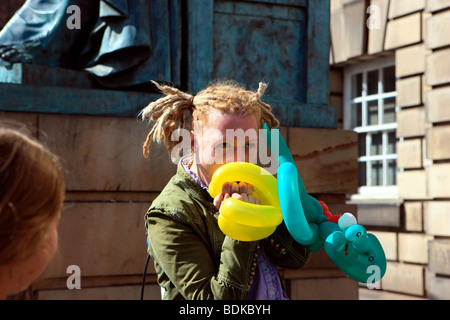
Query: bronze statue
point(111, 39)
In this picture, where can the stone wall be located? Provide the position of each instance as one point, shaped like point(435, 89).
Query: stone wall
point(416, 235)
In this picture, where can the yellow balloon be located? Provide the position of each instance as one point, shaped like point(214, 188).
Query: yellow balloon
point(241, 220)
point(251, 214)
point(264, 184)
point(243, 233)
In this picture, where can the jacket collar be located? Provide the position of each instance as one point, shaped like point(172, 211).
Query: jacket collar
point(191, 186)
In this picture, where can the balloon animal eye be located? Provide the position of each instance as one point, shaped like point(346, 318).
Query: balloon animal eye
point(371, 258)
point(358, 234)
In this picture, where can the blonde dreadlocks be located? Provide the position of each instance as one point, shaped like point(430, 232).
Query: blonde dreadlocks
point(169, 112)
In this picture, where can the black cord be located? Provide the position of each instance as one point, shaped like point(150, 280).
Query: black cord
point(143, 277)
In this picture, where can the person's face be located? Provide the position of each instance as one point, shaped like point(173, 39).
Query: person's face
point(225, 138)
point(26, 272)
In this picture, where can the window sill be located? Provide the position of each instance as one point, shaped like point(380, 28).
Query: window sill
point(391, 198)
point(378, 210)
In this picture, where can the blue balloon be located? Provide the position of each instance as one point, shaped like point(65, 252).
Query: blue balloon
point(312, 208)
point(291, 206)
point(354, 251)
point(357, 259)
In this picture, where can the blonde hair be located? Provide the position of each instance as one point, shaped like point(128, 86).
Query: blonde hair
point(32, 192)
point(169, 112)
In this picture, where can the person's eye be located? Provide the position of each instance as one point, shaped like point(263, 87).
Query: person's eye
point(250, 145)
point(223, 145)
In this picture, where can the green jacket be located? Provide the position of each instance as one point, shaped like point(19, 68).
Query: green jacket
point(193, 258)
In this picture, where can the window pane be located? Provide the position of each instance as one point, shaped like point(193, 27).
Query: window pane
point(357, 116)
point(362, 178)
point(389, 79)
point(392, 143)
point(376, 143)
point(389, 110)
point(357, 85)
point(377, 173)
point(372, 113)
point(361, 145)
point(391, 173)
point(376, 148)
point(372, 82)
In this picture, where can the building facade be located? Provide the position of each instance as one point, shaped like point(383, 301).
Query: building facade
point(390, 80)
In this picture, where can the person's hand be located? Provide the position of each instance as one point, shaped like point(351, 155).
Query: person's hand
point(242, 191)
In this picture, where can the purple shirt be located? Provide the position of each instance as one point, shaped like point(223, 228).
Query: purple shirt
point(266, 281)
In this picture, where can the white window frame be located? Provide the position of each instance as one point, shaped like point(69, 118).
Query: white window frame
point(370, 192)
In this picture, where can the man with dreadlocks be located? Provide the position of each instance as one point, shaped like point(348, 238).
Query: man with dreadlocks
point(193, 258)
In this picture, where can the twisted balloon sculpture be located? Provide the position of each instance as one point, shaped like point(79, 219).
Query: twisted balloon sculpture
point(357, 253)
point(241, 220)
